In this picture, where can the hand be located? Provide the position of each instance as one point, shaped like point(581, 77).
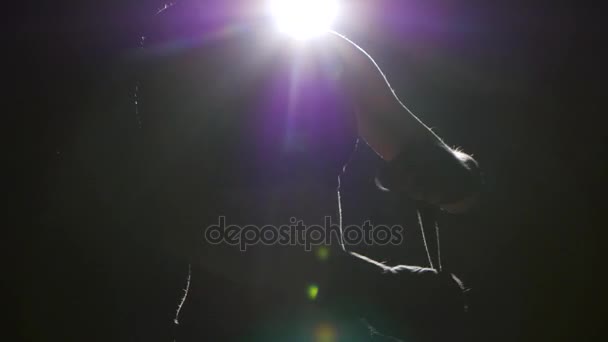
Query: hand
point(435, 174)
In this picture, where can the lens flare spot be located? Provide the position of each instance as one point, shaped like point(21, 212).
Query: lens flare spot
point(325, 333)
point(322, 253)
point(312, 291)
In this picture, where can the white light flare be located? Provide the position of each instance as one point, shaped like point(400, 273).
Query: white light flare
point(304, 19)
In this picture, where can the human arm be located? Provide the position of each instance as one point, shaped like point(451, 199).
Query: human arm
point(418, 162)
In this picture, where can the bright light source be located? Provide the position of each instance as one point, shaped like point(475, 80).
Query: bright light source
point(304, 19)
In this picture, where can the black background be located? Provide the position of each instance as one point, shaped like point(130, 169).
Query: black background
point(522, 90)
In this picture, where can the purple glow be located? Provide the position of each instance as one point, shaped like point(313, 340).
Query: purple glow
point(303, 116)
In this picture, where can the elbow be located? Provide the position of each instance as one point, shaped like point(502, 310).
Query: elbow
point(464, 192)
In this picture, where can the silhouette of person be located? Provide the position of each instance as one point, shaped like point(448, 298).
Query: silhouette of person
point(232, 130)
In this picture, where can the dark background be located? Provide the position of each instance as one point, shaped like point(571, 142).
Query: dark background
point(517, 83)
